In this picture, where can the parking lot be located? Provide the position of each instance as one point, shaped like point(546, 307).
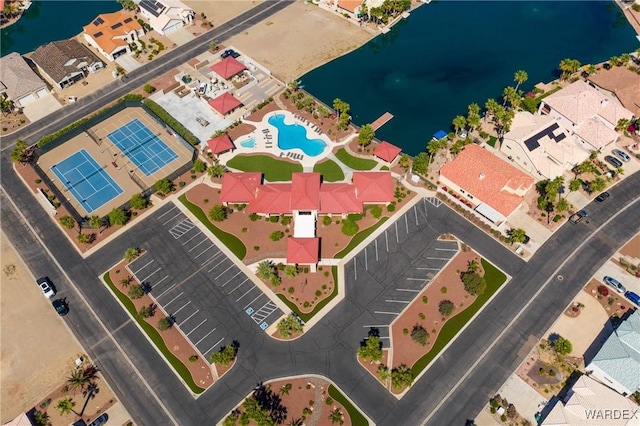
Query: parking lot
point(398, 265)
point(197, 284)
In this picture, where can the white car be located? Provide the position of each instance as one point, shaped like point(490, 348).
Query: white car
point(46, 286)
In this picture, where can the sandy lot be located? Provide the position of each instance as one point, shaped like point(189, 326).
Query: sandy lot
point(298, 39)
point(219, 12)
point(25, 373)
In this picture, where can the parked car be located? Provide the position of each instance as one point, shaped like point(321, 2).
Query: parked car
point(100, 420)
point(633, 297)
point(229, 52)
point(613, 161)
point(46, 286)
point(615, 284)
point(621, 155)
point(600, 198)
point(61, 307)
point(577, 217)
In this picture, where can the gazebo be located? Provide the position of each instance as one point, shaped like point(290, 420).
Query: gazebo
point(387, 152)
point(228, 67)
point(225, 103)
point(220, 144)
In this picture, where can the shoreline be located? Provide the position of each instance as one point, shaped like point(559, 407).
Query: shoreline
point(632, 17)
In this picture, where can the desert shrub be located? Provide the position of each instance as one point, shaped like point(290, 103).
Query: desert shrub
point(376, 211)
point(136, 291)
point(446, 307)
point(326, 220)
point(419, 335)
point(276, 235)
point(164, 324)
point(349, 227)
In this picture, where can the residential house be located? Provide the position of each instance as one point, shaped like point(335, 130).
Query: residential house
point(351, 7)
point(304, 198)
point(66, 62)
point(167, 15)
point(617, 363)
point(111, 33)
point(19, 82)
point(587, 113)
point(541, 146)
point(492, 186)
point(622, 83)
point(591, 403)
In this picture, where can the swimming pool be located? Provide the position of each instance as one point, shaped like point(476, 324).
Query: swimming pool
point(292, 136)
point(249, 143)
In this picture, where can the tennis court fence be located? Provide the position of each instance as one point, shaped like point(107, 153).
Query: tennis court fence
point(93, 136)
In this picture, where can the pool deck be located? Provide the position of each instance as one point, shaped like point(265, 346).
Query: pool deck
point(266, 141)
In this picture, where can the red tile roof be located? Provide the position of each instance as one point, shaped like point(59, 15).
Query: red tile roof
point(338, 198)
point(102, 30)
point(228, 67)
point(386, 151)
point(488, 178)
point(220, 144)
point(225, 103)
point(350, 5)
point(373, 187)
point(305, 191)
point(272, 198)
point(304, 251)
point(240, 187)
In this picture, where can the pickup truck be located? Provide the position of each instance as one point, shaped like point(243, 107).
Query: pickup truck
point(577, 217)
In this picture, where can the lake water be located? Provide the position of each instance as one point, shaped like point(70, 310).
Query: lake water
point(47, 21)
point(448, 54)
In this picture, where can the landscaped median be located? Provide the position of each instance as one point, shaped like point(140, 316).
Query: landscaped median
point(432, 320)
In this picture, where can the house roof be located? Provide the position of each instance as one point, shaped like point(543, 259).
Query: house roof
point(386, 151)
point(586, 397)
point(220, 144)
point(488, 178)
point(373, 187)
point(225, 103)
point(21, 420)
point(620, 354)
point(595, 133)
point(624, 83)
point(305, 191)
point(240, 187)
point(579, 102)
point(304, 251)
point(339, 198)
point(272, 198)
point(17, 77)
point(350, 5)
point(108, 29)
point(165, 12)
point(54, 57)
point(228, 67)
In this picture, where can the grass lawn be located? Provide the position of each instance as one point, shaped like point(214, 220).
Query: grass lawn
point(495, 278)
point(154, 335)
point(274, 170)
point(357, 419)
point(354, 162)
point(359, 237)
point(329, 170)
point(232, 242)
point(306, 317)
point(492, 141)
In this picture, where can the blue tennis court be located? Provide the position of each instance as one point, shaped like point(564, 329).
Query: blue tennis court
point(146, 150)
point(86, 180)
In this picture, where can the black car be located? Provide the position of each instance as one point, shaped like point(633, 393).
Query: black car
point(234, 54)
point(613, 161)
point(61, 307)
point(226, 53)
point(100, 420)
point(600, 198)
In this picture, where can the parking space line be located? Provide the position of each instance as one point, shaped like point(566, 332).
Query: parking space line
point(204, 251)
point(239, 285)
point(386, 313)
point(438, 258)
point(172, 218)
point(219, 263)
point(384, 337)
point(428, 269)
point(415, 212)
point(444, 249)
point(223, 272)
point(164, 305)
point(386, 239)
point(147, 277)
point(406, 224)
point(376, 326)
point(216, 344)
point(194, 247)
point(189, 317)
point(145, 265)
point(409, 290)
point(205, 336)
point(183, 306)
point(191, 238)
point(194, 329)
point(167, 212)
point(158, 282)
point(397, 301)
point(260, 295)
point(355, 268)
point(212, 257)
point(396, 225)
point(229, 280)
point(415, 279)
point(162, 294)
point(376, 244)
point(366, 263)
point(250, 290)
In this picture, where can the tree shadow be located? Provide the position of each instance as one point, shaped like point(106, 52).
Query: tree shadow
point(271, 402)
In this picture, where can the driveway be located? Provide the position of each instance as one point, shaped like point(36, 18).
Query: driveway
point(128, 62)
point(181, 36)
point(526, 399)
point(41, 107)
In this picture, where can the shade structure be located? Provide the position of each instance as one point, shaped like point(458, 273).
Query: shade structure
point(225, 103)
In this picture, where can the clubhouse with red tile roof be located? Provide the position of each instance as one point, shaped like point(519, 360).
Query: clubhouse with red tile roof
point(493, 186)
point(386, 151)
point(303, 251)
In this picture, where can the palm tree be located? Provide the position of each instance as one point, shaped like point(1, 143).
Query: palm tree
point(338, 105)
point(336, 416)
point(562, 206)
point(574, 185)
point(459, 123)
point(472, 265)
point(65, 405)
point(80, 377)
point(285, 389)
point(296, 422)
point(266, 270)
point(623, 124)
point(492, 107)
point(435, 146)
point(473, 116)
point(520, 77)
point(95, 222)
point(512, 96)
point(567, 67)
point(90, 393)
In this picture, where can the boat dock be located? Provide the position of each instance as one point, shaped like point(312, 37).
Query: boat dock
point(382, 120)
